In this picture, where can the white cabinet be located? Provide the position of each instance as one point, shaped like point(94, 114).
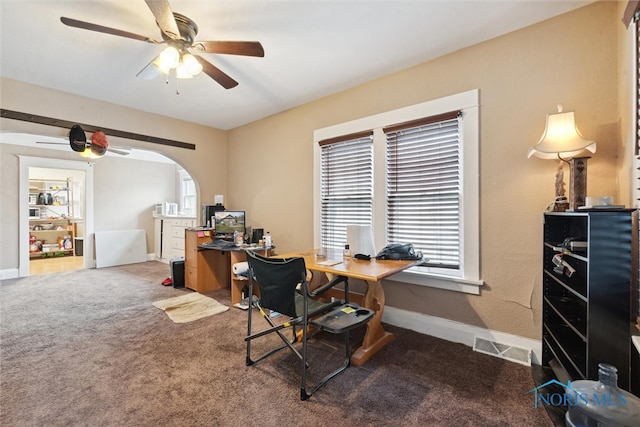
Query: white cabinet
point(169, 236)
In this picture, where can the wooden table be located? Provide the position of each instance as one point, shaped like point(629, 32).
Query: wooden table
point(372, 273)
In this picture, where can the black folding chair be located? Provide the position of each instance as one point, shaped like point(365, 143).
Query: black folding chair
point(283, 288)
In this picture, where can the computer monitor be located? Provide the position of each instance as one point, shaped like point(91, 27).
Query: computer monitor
point(226, 222)
point(207, 214)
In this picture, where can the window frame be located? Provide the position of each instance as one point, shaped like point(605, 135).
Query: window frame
point(467, 278)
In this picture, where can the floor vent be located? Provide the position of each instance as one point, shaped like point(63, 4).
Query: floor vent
point(503, 351)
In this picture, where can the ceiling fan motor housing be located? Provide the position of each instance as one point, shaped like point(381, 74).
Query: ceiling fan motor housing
point(188, 30)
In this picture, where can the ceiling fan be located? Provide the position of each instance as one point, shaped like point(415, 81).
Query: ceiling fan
point(95, 148)
point(182, 51)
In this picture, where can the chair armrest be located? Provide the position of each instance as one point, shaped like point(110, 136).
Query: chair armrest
point(339, 279)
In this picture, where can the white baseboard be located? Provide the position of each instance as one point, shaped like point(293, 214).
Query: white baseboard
point(9, 273)
point(457, 331)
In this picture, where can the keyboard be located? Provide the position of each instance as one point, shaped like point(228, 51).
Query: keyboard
point(219, 244)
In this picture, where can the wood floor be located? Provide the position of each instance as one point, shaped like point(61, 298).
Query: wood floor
point(55, 265)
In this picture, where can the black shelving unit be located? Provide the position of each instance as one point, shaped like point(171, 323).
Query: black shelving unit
point(587, 298)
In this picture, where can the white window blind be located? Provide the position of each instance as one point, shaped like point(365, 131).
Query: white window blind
point(424, 187)
point(346, 186)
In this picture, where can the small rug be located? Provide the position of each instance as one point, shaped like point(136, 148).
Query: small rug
point(190, 307)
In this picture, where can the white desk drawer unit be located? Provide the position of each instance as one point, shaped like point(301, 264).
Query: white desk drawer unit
point(170, 236)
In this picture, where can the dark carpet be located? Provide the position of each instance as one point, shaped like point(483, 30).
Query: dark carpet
point(87, 348)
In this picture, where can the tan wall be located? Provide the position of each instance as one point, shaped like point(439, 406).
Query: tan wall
point(211, 144)
point(569, 60)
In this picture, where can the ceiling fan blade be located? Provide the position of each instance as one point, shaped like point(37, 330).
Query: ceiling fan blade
point(161, 9)
point(217, 74)
point(150, 71)
point(233, 48)
point(102, 29)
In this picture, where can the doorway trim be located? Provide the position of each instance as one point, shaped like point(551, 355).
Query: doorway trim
point(27, 162)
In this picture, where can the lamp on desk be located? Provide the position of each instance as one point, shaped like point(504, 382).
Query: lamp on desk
point(562, 140)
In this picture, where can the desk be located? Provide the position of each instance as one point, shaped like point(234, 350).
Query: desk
point(204, 270)
point(208, 268)
point(372, 273)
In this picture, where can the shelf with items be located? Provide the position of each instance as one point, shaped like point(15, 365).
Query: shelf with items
point(240, 282)
point(51, 237)
point(586, 293)
point(55, 195)
point(51, 221)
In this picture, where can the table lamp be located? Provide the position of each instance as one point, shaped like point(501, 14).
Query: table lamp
point(562, 140)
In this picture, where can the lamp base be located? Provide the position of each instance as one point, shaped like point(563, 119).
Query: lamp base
point(560, 204)
point(578, 183)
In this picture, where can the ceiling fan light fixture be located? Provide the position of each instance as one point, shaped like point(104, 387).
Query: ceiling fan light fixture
point(182, 72)
point(169, 58)
point(158, 64)
point(193, 67)
point(90, 154)
point(178, 39)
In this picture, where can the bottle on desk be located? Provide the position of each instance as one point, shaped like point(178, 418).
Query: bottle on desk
point(267, 240)
point(238, 238)
point(346, 253)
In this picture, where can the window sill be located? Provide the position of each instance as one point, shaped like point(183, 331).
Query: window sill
point(457, 284)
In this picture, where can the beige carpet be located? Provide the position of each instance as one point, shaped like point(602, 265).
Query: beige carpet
point(87, 348)
point(190, 307)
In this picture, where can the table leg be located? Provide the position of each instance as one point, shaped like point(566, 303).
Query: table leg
point(375, 336)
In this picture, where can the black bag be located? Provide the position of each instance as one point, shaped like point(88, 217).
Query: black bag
point(400, 251)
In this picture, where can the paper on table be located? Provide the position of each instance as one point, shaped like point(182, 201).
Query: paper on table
point(329, 262)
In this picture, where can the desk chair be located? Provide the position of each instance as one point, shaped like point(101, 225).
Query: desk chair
point(284, 289)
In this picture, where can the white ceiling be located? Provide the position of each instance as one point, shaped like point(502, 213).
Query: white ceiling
point(312, 48)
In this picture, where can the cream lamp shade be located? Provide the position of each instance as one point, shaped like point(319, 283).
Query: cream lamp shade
point(561, 138)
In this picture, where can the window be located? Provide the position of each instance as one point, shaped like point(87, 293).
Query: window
point(412, 174)
point(188, 196)
point(347, 186)
point(423, 187)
